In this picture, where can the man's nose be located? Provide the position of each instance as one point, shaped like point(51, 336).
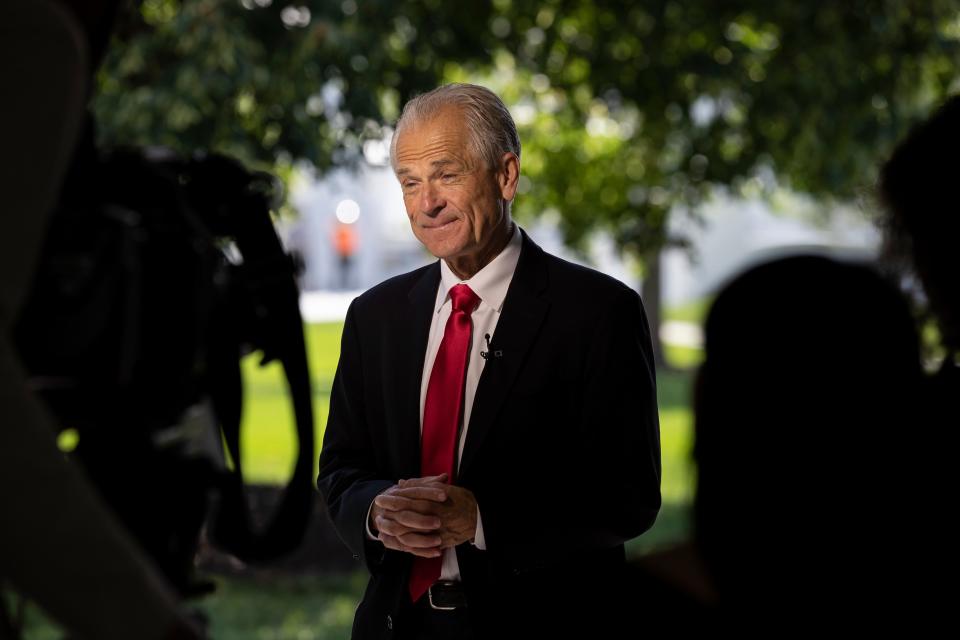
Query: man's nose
point(432, 201)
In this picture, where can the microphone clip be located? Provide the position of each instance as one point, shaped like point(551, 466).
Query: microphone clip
point(486, 355)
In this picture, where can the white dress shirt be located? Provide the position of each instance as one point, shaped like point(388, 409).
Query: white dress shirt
point(490, 284)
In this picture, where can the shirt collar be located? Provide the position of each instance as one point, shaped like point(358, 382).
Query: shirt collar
point(491, 282)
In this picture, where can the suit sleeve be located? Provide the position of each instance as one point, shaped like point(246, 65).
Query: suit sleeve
point(619, 426)
point(348, 480)
point(608, 490)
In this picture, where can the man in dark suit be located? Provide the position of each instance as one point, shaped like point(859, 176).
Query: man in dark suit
point(493, 436)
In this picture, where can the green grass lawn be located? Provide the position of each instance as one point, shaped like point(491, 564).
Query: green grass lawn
point(267, 427)
point(287, 608)
point(694, 311)
point(275, 608)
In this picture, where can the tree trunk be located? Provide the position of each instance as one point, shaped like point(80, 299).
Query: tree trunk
point(650, 293)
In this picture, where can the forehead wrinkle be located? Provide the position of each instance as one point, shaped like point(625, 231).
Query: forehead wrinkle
point(434, 138)
point(431, 148)
point(433, 166)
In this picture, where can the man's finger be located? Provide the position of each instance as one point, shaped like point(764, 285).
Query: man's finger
point(412, 541)
point(408, 521)
point(390, 527)
point(421, 540)
point(390, 542)
point(433, 493)
point(424, 480)
point(394, 543)
point(401, 503)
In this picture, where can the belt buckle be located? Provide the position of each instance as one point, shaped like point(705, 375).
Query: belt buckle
point(430, 597)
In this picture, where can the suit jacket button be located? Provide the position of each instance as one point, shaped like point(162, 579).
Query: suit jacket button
point(389, 622)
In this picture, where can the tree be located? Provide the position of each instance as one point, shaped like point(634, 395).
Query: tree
point(274, 82)
point(628, 112)
point(645, 110)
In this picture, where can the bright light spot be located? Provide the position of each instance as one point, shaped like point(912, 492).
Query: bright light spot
point(524, 114)
point(545, 18)
point(735, 32)
point(295, 16)
point(290, 16)
point(376, 152)
point(348, 211)
point(598, 127)
point(703, 111)
point(359, 63)
point(540, 82)
point(68, 440)
point(551, 216)
point(332, 92)
point(658, 196)
point(549, 102)
point(315, 105)
point(500, 27)
point(524, 185)
point(723, 55)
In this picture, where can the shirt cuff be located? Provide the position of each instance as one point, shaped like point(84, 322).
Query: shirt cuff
point(366, 523)
point(478, 540)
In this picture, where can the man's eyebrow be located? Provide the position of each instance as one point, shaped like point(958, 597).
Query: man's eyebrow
point(434, 165)
point(444, 163)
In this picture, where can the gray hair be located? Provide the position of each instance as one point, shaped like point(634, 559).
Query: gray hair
point(490, 127)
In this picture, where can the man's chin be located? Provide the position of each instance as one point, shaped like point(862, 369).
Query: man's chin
point(443, 250)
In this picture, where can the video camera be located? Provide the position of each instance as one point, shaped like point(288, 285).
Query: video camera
point(158, 274)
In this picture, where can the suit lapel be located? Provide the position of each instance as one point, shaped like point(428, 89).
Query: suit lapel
point(422, 298)
point(523, 312)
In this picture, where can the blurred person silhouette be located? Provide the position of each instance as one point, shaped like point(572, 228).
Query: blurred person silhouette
point(59, 544)
point(922, 224)
point(804, 406)
point(918, 187)
point(345, 243)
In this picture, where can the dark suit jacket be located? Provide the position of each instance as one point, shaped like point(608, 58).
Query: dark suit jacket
point(562, 451)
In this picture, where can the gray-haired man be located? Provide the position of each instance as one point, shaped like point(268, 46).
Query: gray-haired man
point(493, 437)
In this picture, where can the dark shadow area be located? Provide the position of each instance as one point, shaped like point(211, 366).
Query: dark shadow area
point(803, 405)
point(922, 224)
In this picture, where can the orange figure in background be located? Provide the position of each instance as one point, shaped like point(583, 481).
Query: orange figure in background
point(345, 243)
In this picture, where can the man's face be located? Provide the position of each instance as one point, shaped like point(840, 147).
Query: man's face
point(454, 202)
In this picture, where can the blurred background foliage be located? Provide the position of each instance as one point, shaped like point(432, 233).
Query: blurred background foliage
point(629, 112)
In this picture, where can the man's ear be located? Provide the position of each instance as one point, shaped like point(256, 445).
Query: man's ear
point(508, 175)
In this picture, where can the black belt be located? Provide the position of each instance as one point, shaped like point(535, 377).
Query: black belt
point(446, 595)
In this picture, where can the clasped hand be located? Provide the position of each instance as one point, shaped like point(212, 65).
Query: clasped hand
point(424, 516)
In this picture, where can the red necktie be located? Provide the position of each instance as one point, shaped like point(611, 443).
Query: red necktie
point(441, 414)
